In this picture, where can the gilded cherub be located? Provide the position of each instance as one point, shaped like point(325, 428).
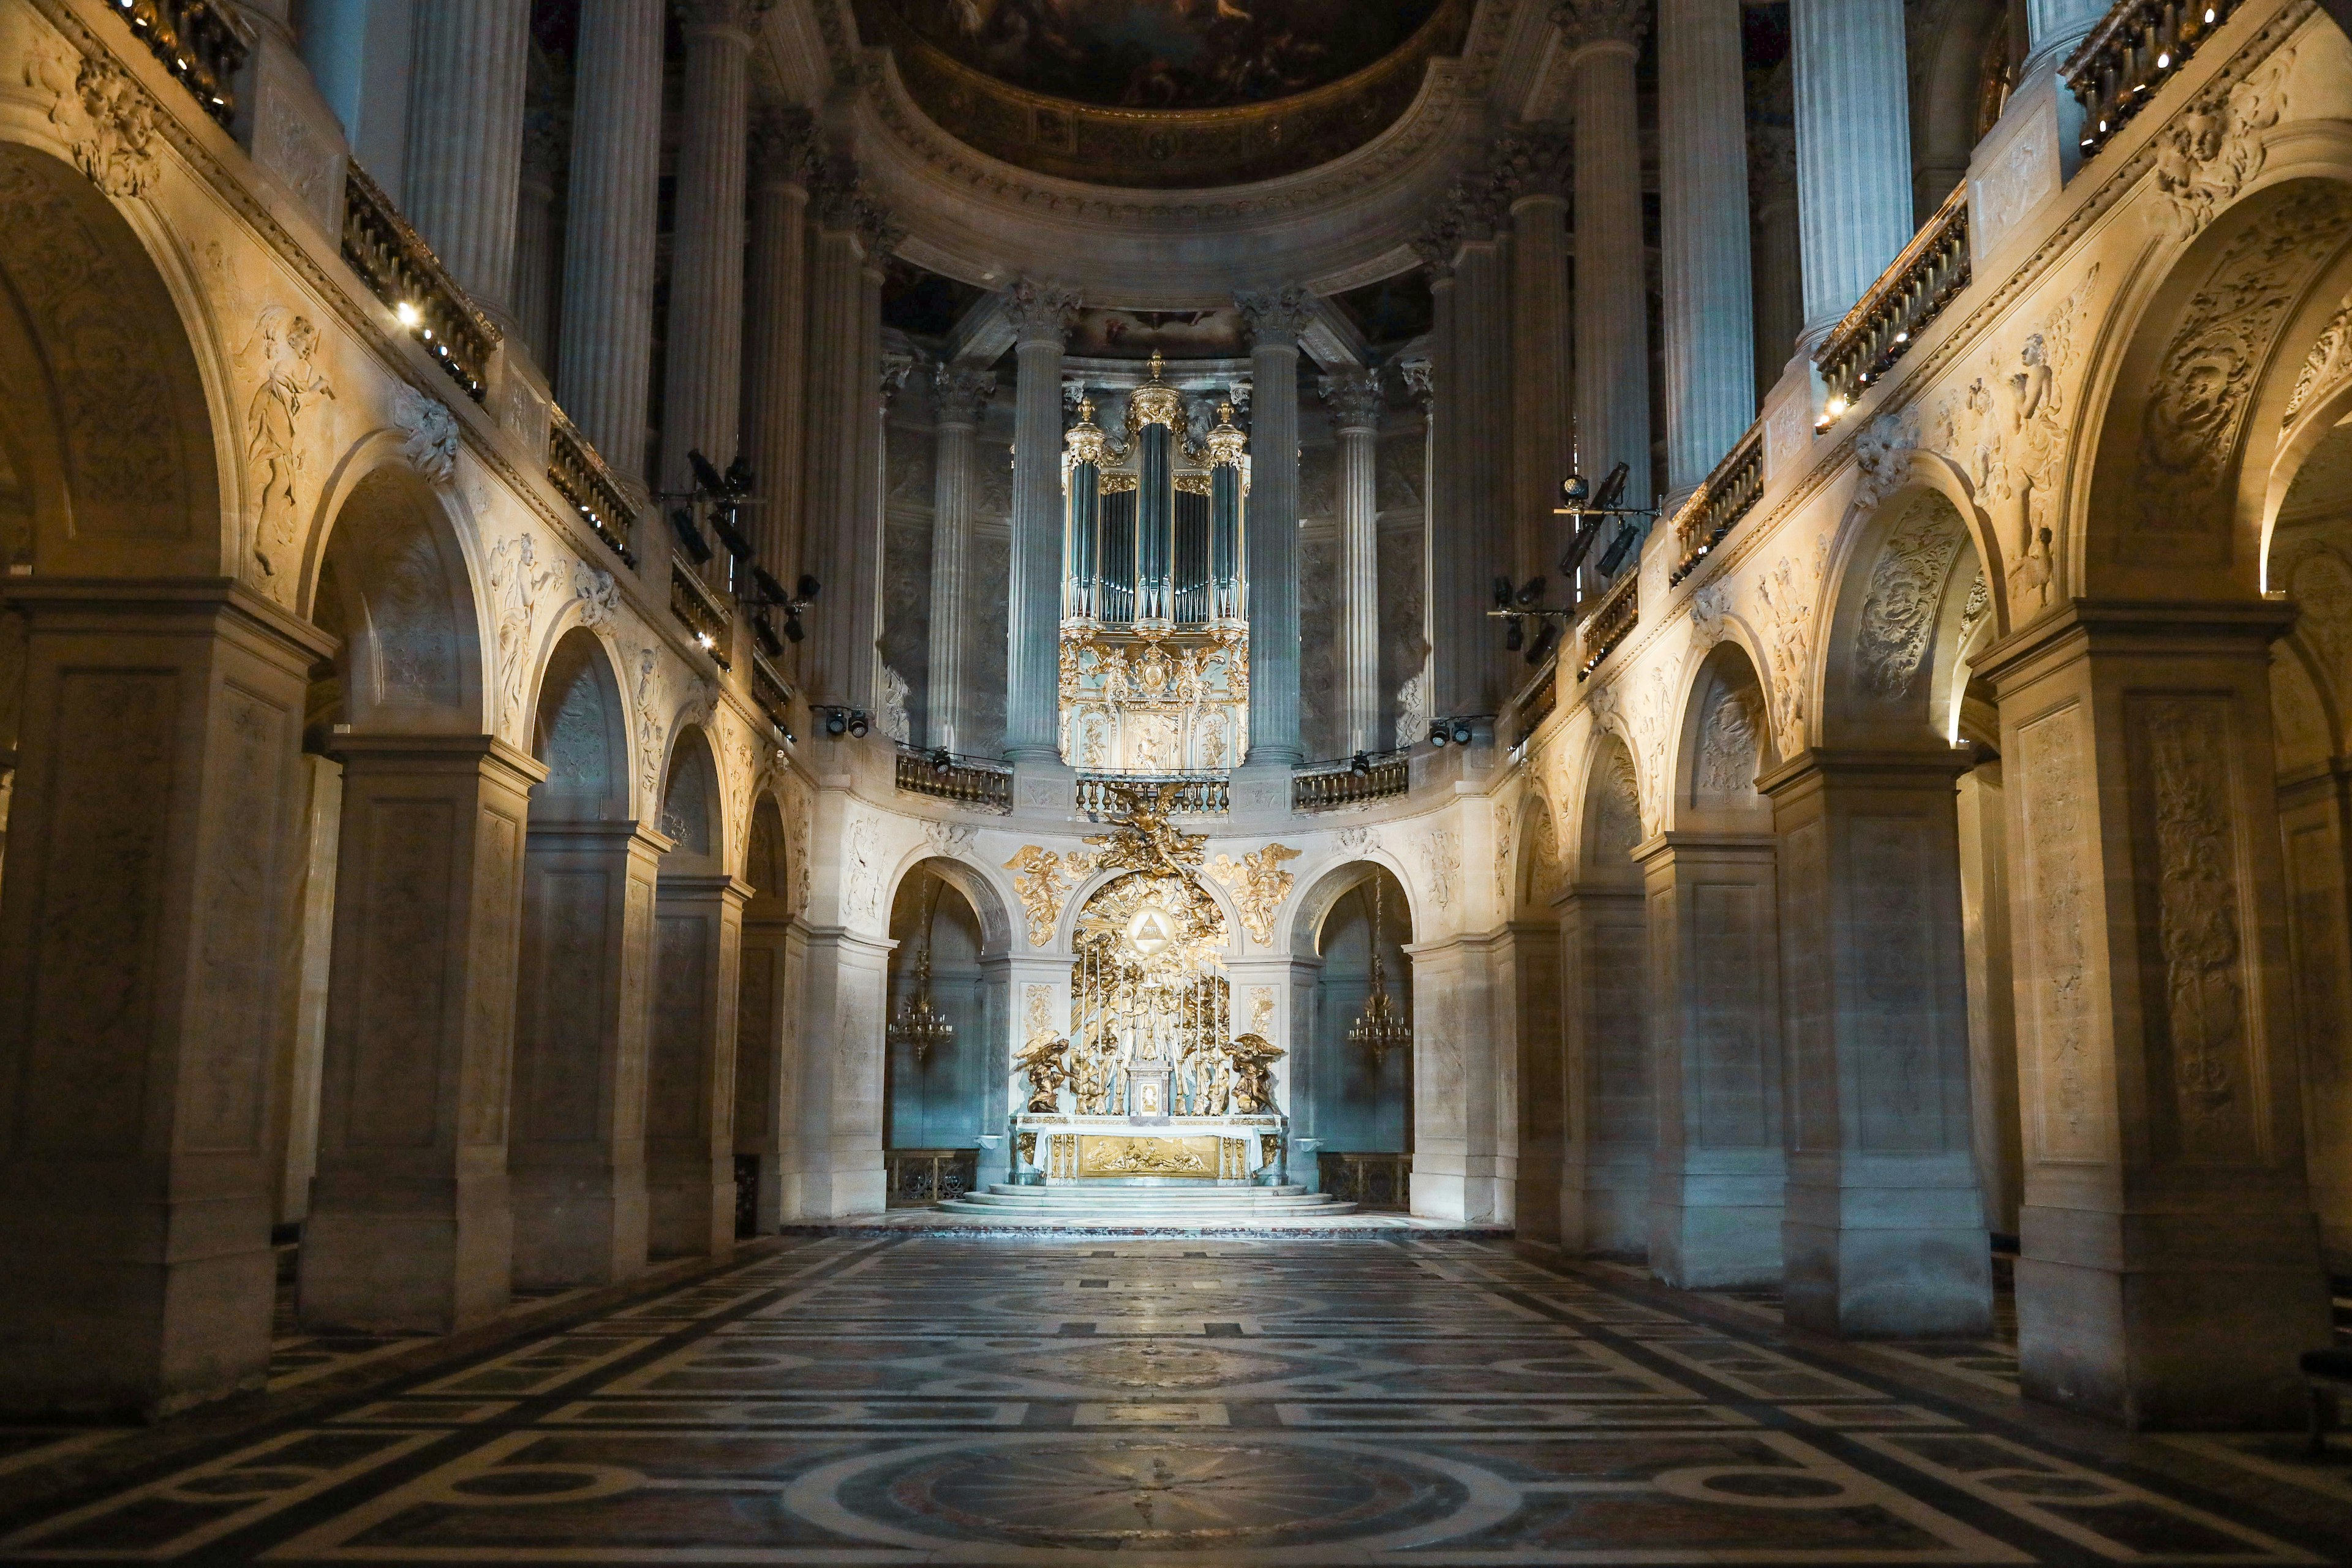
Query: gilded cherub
point(1253, 1058)
point(1043, 1059)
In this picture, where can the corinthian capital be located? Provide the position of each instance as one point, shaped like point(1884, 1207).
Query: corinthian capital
point(1355, 399)
point(1584, 23)
point(1534, 161)
point(843, 202)
point(1276, 316)
point(784, 144)
point(959, 392)
point(720, 15)
point(1042, 311)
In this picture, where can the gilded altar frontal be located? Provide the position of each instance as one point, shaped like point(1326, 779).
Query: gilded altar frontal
point(1260, 783)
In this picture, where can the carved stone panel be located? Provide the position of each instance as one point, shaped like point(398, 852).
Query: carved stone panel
point(2066, 1105)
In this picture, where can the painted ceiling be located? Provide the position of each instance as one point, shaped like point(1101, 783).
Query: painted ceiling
point(1164, 54)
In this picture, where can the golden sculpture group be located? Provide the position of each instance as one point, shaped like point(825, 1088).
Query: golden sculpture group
point(1150, 1009)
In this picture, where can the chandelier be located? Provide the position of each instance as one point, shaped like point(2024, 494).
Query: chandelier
point(919, 1026)
point(1378, 1029)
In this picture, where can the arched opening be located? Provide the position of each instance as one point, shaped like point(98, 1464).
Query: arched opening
point(690, 1054)
point(149, 963)
point(1609, 1127)
point(775, 952)
point(410, 1227)
point(939, 1042)
point(1351, 1088)
point(575, 1150)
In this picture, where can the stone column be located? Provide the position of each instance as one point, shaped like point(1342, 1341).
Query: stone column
point(604, 365)
point(690, 1068)
point(1465, 1106)
point(1530, 959)
point(1776, 270)
point(1470, 537)
point(145, 922)
point(533, 292)
point(1355, 399)
point(767, 1052)
point(577, 1152)
point(1612, 307)
point(844, 359)
point(840, 1081)
point(1885, 1236)
point(466, 60)
point(1854, 149)
point(1716, 1164)
point(702, 389)
point(1270, 545)
point(1537, 164)
point(2168, 1271)
point(2052, 28)
point(775, 334)
point(960, 394)
point(411, 1227)
point(1042, 314)
point(1702, 183)
point(1604, 1179)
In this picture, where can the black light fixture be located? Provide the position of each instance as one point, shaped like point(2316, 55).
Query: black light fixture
point(836, 720)
point(689, 538)
point(942, 762)
point(857, 725)
point(765, 630)
point(1462, 731)
point(1439, 734)
point(1360, 764)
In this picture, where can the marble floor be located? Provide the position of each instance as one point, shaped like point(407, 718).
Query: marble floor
point(940, 1399)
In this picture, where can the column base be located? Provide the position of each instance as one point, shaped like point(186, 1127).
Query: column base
point(2190, 1321)
point(1476, 1199)
point(1896, 1250)
point(578, 1226)
point(416, 1256)
point(1716, 1225)
point(690, 1210)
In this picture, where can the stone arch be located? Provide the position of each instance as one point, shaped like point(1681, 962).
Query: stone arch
point(120, 450)
point(580, 729)
point(1312, 903)
point(1724, 742)
point(1910, 600)
point(978, 889)
point(1542, 865)
point(767, 859)
point(944, 1100)
point(692, 816)
point(1066, 927)
point(1610, 825)
point(393, 584)
point(1340, 1100)
point(2182, 472)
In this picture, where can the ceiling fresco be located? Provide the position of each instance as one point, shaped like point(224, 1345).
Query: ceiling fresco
point(1165, 54)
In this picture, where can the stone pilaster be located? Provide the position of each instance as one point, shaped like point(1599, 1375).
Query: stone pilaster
point(775, 332)
point(767, 1054)
point(690, 1066)
point(576, 1152)
point(411, 1226)
point(1530, 977)
point(959, 393)
point(702, 389)
point(148, 916)
point(1470, 448)
point(1612, 312)
point(604, 363)
point(1536, 165)
point(1355, 401)
point(1464, 1103)
point(1275, 318)
point(1716, 1165)
point(1884, 1234)
point(466, 61)
point(841, 532)
point(1604, 1178)
point(1042, 314)
point(840, 1080)
point(1703, 180)
point(1854, 149)
point(2168, 1271)
point(544, 133)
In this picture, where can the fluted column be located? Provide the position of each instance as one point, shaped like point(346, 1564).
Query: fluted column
point(702, 393)
point(465, 138)
point(1470, 535)
point(532, 294)
point(1703, 180)
point(843, 533)
point(1777, 277)
point(959, 393)
point(1042, 314)
point(1854, 149)
point(2054, 26)
point(1275, 318)
point(775, 331)
point(1613, 344)
point(1355, 400)
point(606, 350)
point(1536, 164)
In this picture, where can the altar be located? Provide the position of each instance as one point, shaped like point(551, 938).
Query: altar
point(1064, 1150)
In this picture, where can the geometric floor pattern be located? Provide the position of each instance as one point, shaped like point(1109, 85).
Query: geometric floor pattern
point(939, 1400)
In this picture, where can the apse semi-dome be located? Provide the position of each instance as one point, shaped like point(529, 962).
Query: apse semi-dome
point(1164, 94)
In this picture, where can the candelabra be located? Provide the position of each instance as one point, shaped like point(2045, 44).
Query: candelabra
point(919, 1026)
point(1378, 1030)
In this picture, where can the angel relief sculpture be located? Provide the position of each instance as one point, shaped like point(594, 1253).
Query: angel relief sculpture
point(1046, 1060)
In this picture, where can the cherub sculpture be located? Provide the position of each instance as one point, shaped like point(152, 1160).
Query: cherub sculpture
point(1253, 1058)
point(1043, 1059)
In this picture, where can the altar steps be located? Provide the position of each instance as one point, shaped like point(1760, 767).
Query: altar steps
point(1147, 1205)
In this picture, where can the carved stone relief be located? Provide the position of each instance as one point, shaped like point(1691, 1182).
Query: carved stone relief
point(1440, 864)
point(2206, 156)
point(861, 869)
point(1503, 829)
point(1788, 599)
point(594, 591)
point(278, 430)
point(1259, 885)
point(516, 582)
point(2055, 792)
point(950, 841)
point(2328, 362)
point(116, 146)
point(1041, 878)
point(1881, 459)
point(1906, 585)
point(1728, 744)
point(650, 703)
point(429, 432)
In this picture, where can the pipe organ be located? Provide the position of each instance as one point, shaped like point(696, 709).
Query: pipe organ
point(1155, 640)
